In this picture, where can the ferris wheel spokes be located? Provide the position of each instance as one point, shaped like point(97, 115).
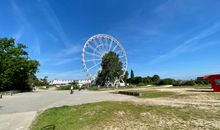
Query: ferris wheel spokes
point(110, 46)
point(93, 60)
point(93, 49)
point(118, 52)
point(97, 47)
point(103, 45)
point(114, 48)
point(106, 44)
point(92, 54)
point(94, 66)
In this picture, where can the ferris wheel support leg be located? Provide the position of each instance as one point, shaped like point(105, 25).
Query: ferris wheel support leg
point(122, 82)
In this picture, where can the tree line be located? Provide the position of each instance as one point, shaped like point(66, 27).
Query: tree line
point(156, 80)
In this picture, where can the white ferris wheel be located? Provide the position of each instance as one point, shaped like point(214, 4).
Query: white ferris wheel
point(95, 48)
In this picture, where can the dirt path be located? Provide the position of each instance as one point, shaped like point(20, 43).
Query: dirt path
point(175, 102)
point(185, 96)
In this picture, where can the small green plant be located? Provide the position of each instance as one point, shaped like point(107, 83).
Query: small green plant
point(68, 87)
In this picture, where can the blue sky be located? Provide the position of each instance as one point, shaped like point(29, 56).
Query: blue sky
point(172, 38)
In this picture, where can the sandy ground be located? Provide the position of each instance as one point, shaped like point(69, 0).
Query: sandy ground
point(203, 98)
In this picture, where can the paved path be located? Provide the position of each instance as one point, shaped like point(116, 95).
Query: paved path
point(18, 111)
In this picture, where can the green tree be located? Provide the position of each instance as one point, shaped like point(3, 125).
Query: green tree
point(111, 69)
point(15, 66)
point(189, 83)
point(167, 81)
point(44, 81)
point(126, 78)
point(156, 79)
point(137, 80)
point(147, 80)
point(201, 81)
point(132, 74)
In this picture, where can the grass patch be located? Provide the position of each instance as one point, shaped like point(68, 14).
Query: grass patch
point(124, 115)
point(43, 88)
point(105, 88)
point(195, 86)
point(154, 93)
point(199, 96)
point(100, 88)
point(95, 88)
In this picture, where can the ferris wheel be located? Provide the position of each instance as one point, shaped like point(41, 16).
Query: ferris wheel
point(95, 48)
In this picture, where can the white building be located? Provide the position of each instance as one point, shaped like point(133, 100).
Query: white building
point(65, 82)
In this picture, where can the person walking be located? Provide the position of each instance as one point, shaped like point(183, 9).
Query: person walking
point(71, 90)
point(33, 87)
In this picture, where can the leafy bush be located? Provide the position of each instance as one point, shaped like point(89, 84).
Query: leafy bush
point(167, 81)
point(178, 83)
point(190, 83)
point(93, 88)
point(142, 84)
point(201, 81)
point(68, 87)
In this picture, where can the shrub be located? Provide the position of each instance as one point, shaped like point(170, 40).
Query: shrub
point(178, 83)
point(68, 87)
point(167, 81)
point(190, 83)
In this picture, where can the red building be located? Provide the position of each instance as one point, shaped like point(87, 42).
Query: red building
point(215, 81)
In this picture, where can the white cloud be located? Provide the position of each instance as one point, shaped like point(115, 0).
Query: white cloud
point(54, 22)
point(52, 36)
point(66, 61)
point(26, 25)
point(58, 61)
point(70, 51)
point(189, 44)
point(19, 34)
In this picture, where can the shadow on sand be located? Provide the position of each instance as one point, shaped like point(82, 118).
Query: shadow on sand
point(201, 90)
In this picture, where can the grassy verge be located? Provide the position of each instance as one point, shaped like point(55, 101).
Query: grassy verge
point(124, 115)
point(192, 95)
point(195, 86)
point(206, 96)
point(43, 88)
point(154, 93)
point(105, 89)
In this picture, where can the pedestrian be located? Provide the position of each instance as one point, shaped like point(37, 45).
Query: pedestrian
point(34, 88)
point(71, 90)
point(79, 87)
